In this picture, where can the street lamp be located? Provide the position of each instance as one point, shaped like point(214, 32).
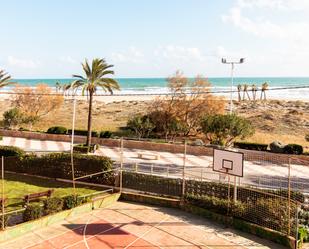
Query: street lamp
point(224, 61)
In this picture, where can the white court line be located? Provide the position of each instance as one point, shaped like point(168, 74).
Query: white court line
point(145, 233)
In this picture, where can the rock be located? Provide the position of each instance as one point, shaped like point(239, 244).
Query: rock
point(198, 142)
point(277, 147)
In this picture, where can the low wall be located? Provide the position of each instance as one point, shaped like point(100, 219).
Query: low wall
point(250, 155)
point(23, 228)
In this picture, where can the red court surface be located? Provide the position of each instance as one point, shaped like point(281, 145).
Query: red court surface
point(128, 225)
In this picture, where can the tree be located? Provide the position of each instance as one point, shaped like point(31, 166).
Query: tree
point(12, 118)
point(224, 129)
point(5, 79)
point(263, 90)
point(187, 103)
point(34, 103)
point(141, 125)
point(95, 78)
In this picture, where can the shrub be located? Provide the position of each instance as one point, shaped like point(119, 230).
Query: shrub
point(57, 130)
point(251, 146)
point(8, 151)
point(141, 125)
point(106, 134)
point(32, 212)
point(303, 234)
point(6, 220)
point(223, 129)
point(277, 147)
point(58, 165)
point(13, 118)
point(1, 138)
point(307, 137)
point(53, 205)
point(71, 201)
point(293, 149)
point(83, 133)
point(83, 148)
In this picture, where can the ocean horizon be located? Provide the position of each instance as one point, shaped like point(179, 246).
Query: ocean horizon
point(159, 85)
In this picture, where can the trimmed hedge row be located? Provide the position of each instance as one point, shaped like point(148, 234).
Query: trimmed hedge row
point(271, 213)
point(251, 146)
point(58, 165)
point(173, 187)
point(83, 133)
point(57, 130)
point(52, 205)
point(63, 130)
point(7, 151)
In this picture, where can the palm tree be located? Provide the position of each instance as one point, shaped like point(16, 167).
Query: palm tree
point(95, 78)
point(239, 88)
point(264, 89)
point(254, 90)
point(5, 79)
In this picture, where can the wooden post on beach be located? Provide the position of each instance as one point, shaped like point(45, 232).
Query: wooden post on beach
point(239, 88)
point(263, 90)
point(254, 90)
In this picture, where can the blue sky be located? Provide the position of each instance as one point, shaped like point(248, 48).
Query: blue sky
point(154, 38)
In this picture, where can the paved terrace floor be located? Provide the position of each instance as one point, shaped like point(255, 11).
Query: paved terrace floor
point(128, 225)
point(263, 173)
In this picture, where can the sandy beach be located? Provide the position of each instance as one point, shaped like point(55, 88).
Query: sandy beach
point(286, 121)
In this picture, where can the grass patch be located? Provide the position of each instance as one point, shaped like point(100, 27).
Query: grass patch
point(18, 185)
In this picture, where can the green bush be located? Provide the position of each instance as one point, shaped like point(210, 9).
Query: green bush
point(53, 205)
point(11, 151)
point(23, 129)
point(223, 129)
point(303, 234)
point(83, 148)
point(57, 130)
point(106, 134)
point(251, 146)
point(1, 138)
point(6, 220)
point(293, 149)
point(32, 212)
point(83, 133)
point(13, 118)
point(58, 165)
point(71, 201)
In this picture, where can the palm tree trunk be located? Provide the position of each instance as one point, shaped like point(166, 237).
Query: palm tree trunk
point(88, 143)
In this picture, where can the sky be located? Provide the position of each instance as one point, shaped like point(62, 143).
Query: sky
point(154, 38)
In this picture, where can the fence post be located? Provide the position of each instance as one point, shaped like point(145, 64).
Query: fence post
point(136, 167)
point(121, 164)
point(151, 172)
point(72, 143)
point(183, 169)
point(2, 203)
point(289, 197)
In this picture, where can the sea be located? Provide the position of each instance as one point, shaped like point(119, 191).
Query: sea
point(288, 88)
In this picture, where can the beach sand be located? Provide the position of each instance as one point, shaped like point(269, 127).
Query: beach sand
point(286, 121)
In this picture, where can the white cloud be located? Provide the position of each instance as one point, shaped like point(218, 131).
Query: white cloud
point(177, 53)
point(22, 63)
point(132, 55)
point(283, 5)
point(68, 59)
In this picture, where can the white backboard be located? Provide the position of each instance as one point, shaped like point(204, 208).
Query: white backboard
point(228, 162)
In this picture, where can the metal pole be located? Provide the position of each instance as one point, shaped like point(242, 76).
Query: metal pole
point(232, 86)
point(2, 203)
point(183, 169)
point(289, 197)
point(121, 164)
point(72, 143)
point(235, 188)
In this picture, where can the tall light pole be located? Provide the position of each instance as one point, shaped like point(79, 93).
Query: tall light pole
point(232, 63)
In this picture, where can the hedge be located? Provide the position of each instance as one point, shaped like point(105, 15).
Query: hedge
point(251, 146)
point(83, 133)
point(33, 211)
point(173, 187)
point(106, 134)
point(293, 149)
point(8, 151)
point(270, 213)
point(83, 148)
point(53, 205)
point(58, 165)
point(57, 130)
